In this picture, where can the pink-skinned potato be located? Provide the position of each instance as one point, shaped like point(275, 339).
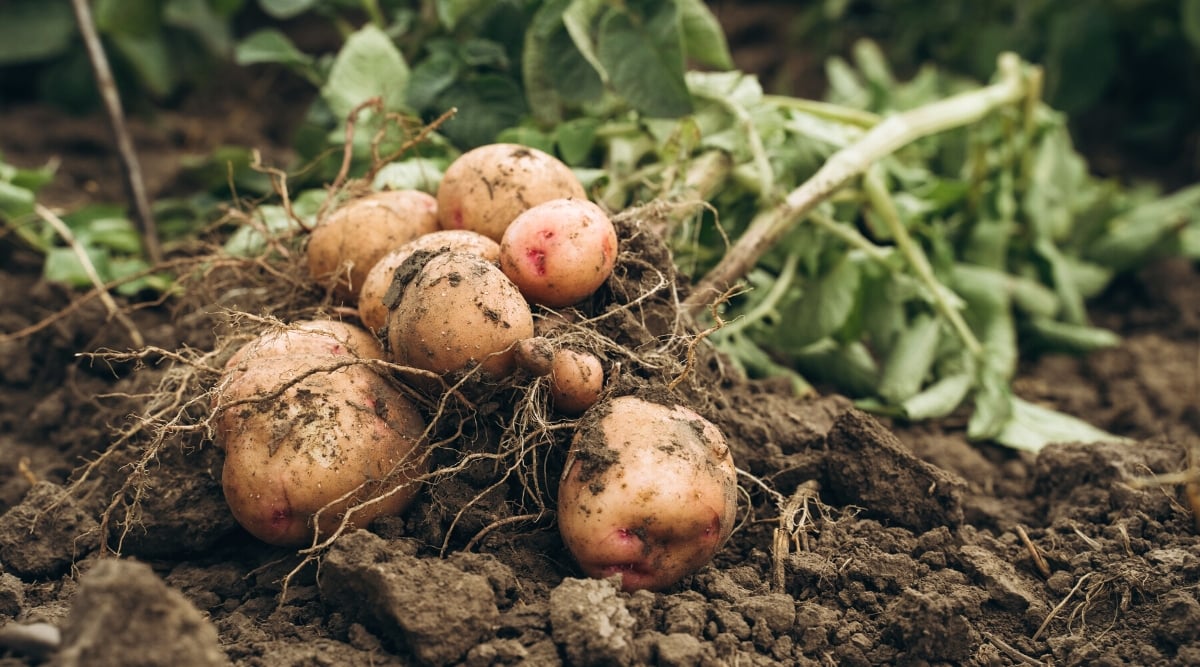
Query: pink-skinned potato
point(344, 246)
point(371, 309)
point(649, 492)
point(457, 312)
point(559, 252)
point(309, 337)
point(301, 432)
point(487, 187)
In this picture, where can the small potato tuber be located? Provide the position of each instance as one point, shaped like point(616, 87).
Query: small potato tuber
point(576, 380)
point(486, 188)
point(649, 492)
point(345, 245)
point(371, 309)
point(559, 252)
point(459, 311)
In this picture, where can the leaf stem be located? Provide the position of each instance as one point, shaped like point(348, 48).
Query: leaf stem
point(837, 112)
point(882, 140)
point(881, 201)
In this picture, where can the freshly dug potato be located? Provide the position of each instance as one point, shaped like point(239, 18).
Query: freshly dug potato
point(576, 380)
point(488, 187)
point(459, 310)
point(559, 252)
point(309, 337)
point(649, 492)
point(344, 246)
point(293, 451)
point(371, 310)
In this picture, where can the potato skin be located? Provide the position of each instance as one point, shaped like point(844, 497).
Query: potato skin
point(310, 337)
point(344, 246)
point(371, 310)
point(649, 492)
point(486, 188)
point(459, 310)
point(288, 456)
point(559, 252)
point(576, 380)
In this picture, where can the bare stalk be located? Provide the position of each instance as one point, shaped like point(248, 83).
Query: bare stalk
point(90, 269)
point(131, 169)
point(882, 140)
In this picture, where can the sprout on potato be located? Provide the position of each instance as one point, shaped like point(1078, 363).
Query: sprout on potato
point(486, 188)
point(344, 246)
point(649, 492)
point(559, 252)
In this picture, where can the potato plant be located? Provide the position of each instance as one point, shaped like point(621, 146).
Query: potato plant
point(319, 439)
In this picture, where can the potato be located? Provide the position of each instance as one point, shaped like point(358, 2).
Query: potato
point(649, 492)
point(576, 380)
point(344, 246)
point(310, 337)
point(332, 432)
point(459, 310)
point(488, 187)
point(559, 252)
point(371, 310)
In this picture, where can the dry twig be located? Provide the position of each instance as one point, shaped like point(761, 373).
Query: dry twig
point(131, 169)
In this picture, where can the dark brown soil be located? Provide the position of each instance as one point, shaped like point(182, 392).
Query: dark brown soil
point(918, 547)
point(913, 545)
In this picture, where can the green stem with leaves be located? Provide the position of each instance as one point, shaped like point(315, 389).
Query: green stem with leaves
point(891, 134)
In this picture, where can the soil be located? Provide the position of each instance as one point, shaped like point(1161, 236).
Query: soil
point(911, 545)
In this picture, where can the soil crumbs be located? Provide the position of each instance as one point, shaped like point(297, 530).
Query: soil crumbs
point(865, 543)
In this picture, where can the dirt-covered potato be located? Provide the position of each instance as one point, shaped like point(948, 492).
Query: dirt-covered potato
point(371, 310)
point(649, 492)
point(559, 252)
point(458, 311)
point(345, 245)
point(309, 337)
point(486, 188)
point(299, 433)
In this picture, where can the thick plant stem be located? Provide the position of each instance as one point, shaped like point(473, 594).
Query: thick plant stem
point(131, 169)
point(882, 140)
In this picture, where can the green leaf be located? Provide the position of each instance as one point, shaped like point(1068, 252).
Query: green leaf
point(149, 56)
point(703, 37)
point(576, 138)
point(286, 9)
point(1081, 57)
point(369, 65)
point(1065, 336)
point(528, 136)
point(644, 59)
point(116, 234)
point(270, 45)
point(910, 361)
point(198, 17)
point(63, 266)
point(823, 306)
point(450, 12)
point(32, 30)
point(411, 174)
point(248, 241)
point(993, 407)
point(430, 78)
point(938, 400)
point(15, 201)
point(127, 17)
point(1189, 11)
point(1032, 427)
point(486, 105)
